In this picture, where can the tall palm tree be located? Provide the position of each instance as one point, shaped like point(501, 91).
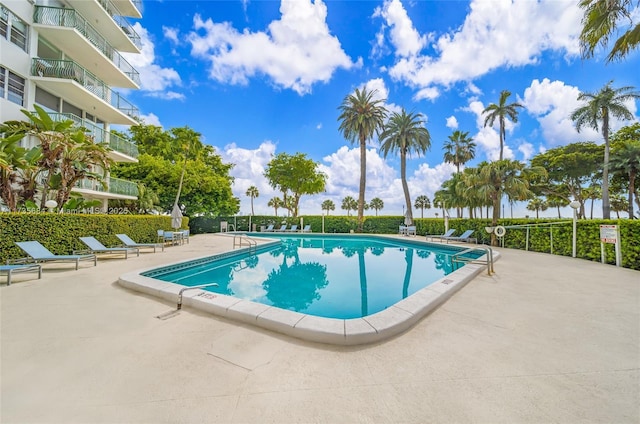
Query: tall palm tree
point(557, 202)
point(501, 111)
point(593, 192)
point(600, 107)
point(459, 149)
point(362, 116)
point(328, 205)
point(405, 133)
point(377, 204)
point(252, 192)
point(422, 203)
point(275, 203)
point(601, 20)
point(508, 177)
point(626, 161)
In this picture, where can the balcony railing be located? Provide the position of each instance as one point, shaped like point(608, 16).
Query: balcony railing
point(68, 69)
point(116, 142)
point(122, 22)
point(62, 17)
point(114, 186)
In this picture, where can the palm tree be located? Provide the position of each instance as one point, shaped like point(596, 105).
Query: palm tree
point(405, 133)
point(508, 177)
point(537, 204)
point(459, 149)
point(252, 192)
point(600, 106)
point(377, 204)
point(328, 205)
point(361, 118)
point(12, 161)
point(422, 203)
point(557, 202)
point(501, 111)
point(275, 203)
point(349, 204)
point(601, 19)
point(626, 161)
point(619, 204)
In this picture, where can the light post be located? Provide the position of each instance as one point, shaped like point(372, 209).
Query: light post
point(51, 205)
point(574, 205)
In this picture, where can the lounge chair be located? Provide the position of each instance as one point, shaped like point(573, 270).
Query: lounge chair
point(96, 247)
point(466, 237)
point(306, 229)
point(282, 228)
point(433, 237)
point(126, 240)
point(293, 229)
point(171, 237)
point(402, 230)
point(269, 229)
point(14, 269)
point(39, 253)
point(411, 230)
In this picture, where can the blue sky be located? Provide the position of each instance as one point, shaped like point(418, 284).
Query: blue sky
point(257, 78)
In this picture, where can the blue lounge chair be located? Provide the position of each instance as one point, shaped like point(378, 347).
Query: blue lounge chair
point(269, 229)
point(433, 237)
point(14, 269)
point(306, 229)
point(126, 240)
point(466, 237)
point(39, 253)
point(96, 247)
point(293, 228)
point(282, 229)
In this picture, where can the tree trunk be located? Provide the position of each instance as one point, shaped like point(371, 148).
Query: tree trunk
point(496, 215)
point(363, 182)
point(405, 187)
point(632, 188)
point(606, 205)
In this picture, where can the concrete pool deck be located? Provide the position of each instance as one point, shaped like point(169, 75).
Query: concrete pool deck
point(545, 339)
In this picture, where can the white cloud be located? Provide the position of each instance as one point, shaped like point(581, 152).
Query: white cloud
point(527, 150)
point(319, 126)
point(154, 78)
point(405, 38)
point(452, 122)
point(171, 34)
point(552, 103)
point(151, 119)
point(294, 52)
point(500, 33)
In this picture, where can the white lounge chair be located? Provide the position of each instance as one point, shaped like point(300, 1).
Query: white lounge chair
point(306, 229)
point(433, 237)
point(96, 247)
point(128, 242)
point(466, 237)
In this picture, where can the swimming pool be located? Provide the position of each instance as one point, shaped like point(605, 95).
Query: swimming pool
point(331, 277)
point(382, 318)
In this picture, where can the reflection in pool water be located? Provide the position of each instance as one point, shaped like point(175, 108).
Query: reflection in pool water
point(334, 277)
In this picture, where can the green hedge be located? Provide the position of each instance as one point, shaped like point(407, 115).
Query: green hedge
point(59, 232)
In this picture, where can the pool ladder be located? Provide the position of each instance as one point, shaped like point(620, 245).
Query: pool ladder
point(240, 240)
point(458, 259)
point(171, 314)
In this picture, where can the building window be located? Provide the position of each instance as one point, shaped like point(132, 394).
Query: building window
point(13, 28)
point(12, 87)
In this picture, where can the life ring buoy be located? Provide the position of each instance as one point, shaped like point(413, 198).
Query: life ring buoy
point(500, 231)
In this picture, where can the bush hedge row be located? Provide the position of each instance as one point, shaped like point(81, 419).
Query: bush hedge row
point(60, 232)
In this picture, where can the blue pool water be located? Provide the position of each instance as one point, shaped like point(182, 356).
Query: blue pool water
point(328, 276)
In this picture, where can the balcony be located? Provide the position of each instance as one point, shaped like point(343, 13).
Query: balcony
point(72, 34)
point(111, 23)
point(115, 189)
point(132, 8)
point(121, 149)
point(71, 82)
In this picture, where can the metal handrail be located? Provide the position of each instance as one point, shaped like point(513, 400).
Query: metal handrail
point(238, 238)
point(457, 257)
point(179, 306)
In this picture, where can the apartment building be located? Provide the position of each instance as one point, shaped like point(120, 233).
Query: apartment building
point(65, 56)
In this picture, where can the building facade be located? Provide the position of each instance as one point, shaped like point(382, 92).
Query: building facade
point(65, 56)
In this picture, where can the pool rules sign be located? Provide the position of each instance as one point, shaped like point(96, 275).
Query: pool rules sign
point(610, 234)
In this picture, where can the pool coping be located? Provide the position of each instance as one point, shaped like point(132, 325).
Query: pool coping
point(356, 331)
